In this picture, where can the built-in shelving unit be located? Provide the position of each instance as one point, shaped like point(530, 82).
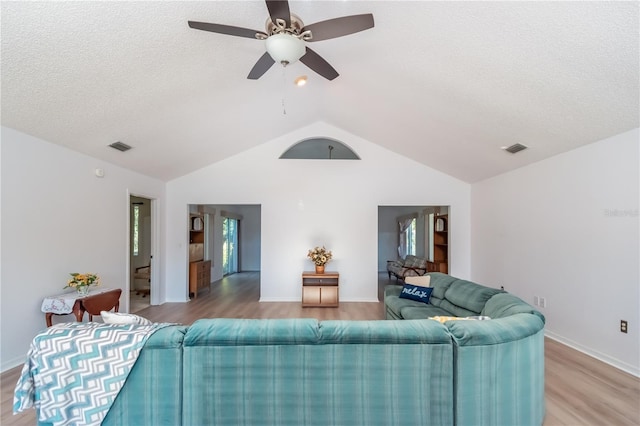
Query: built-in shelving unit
point(440, 244)
point(199, 269)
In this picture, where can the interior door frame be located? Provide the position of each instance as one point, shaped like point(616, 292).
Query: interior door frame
point(154, 298)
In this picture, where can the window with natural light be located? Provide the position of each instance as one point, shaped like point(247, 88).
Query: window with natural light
point(136, 230)
point(407, 236)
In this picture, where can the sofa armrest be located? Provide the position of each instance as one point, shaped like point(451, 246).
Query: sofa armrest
point(392, 290)
point(514, 348)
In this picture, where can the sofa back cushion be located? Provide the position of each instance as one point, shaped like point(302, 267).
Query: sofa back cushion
point(243, 332)
point(465, 298)
point(504, 304)
point(440, 283)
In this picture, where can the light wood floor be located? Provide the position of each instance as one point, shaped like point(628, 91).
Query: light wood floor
point(579, 390)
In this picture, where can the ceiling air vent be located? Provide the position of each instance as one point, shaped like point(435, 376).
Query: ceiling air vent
point(120, 146)
point(515, 148)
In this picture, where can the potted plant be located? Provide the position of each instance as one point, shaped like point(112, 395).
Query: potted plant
point(320, 256)
point(82, 282)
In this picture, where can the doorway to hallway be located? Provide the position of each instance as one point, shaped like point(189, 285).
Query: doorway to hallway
point(140, 252)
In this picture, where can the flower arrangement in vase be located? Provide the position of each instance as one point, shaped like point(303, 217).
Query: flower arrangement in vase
point(82, 282)
point(319, 256)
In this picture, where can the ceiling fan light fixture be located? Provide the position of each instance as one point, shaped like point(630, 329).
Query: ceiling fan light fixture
point(285, 48)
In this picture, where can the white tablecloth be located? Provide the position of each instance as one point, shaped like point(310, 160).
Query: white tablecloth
point(63, 303)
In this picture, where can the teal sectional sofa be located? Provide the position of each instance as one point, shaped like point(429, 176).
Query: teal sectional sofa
point(291, 372)
point(498, 364)
point(347, 373)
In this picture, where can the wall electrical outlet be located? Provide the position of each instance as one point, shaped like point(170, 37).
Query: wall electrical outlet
point(536, 301)
point(623, 326)
point(543, 302)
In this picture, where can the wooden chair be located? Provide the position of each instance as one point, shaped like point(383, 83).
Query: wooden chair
point(102, 302)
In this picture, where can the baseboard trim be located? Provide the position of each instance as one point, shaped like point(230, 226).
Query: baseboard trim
point(280, 299)
point(12, 363)
point(297, 299)
point(614, 362)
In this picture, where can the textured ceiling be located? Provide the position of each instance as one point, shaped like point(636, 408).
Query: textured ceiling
point(445, 83)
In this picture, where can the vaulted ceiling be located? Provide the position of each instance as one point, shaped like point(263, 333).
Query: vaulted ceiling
point(445, 83)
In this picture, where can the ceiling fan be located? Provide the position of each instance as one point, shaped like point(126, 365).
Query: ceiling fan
point(286, 35)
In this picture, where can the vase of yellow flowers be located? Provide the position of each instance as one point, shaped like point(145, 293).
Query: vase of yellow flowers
point(319, 256)
point(82, 282)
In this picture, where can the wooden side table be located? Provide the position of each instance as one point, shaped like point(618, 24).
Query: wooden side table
point(320, 289)
point(71, 303)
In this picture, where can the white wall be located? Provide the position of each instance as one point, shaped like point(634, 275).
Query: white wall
point(566, 229)
point(305, 203)
point(249, 256)
point(57, 218)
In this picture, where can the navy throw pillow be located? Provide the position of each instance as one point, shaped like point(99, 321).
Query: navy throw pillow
point(416, 292)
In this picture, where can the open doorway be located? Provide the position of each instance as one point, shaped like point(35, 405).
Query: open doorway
point(231, 240)
point(140, 253)
point(421, 231)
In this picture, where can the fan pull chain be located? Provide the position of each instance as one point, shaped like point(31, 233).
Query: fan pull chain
point(284, 90)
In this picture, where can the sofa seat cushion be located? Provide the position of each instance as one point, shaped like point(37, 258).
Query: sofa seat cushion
point(456, 311)
point(422, 312)
point(395, 303)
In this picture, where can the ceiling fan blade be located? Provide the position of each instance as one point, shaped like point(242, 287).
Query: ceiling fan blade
point(279, 9)
point(319, 65)
point(339, 27)
point(225, 29)
point(263, 64)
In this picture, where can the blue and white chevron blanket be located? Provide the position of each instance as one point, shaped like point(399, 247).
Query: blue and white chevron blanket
point(75, 370)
